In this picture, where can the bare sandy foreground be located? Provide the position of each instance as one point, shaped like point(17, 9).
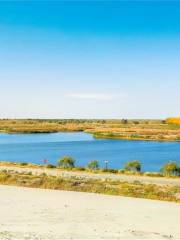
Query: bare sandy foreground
point(86, 175)
point(27, 213)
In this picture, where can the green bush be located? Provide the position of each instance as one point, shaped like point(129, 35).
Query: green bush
point(66, 162)
point(171, 168)
point(134, 166)
point(135, 136)
point(23, 163)
point(93, 165)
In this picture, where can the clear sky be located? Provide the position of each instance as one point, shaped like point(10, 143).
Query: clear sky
point(89, 59)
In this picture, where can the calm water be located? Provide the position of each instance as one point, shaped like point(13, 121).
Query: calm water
point(83, 147)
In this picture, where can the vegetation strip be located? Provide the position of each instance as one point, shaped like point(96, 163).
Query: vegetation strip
point(104, 186)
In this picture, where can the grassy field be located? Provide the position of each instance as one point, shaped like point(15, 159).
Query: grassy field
point(158, 130)
point(105, 186)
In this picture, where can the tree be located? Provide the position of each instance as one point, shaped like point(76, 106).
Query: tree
point(171, 168)
point(66, 162)
point(134, 166)
point(93, 165)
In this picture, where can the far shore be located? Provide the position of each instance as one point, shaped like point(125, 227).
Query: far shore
point(97, 136)
point(135, 130)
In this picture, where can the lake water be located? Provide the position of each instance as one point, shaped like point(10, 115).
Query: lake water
point(83, 147)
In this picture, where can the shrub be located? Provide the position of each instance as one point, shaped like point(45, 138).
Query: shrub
point(136, 122)
point(66, 162)
point(80, 169)
point(51, 166)
point(134, 166)
point(93, 165)
point(153, 174)
point(171, 168)
point(23, 163)
point(112, 170)
point(135, 136)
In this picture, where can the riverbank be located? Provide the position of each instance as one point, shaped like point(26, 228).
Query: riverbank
point(133, 138)
point(108, 173)
point(28, 213)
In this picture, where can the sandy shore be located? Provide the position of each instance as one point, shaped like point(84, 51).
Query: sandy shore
point(27, 213)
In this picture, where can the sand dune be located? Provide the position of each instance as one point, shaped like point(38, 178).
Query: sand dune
point(27, 213)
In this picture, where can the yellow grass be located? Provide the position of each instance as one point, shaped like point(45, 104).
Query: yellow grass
point(174, 120)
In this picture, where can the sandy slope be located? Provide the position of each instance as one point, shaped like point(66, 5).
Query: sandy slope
point(27, 213)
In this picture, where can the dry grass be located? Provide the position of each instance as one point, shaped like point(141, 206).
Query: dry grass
point(104, 186)
point(116, 129)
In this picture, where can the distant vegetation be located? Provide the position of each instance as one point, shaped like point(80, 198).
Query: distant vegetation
point(173, 120)
point(150, 130)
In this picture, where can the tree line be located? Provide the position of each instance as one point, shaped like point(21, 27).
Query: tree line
point(170, 168)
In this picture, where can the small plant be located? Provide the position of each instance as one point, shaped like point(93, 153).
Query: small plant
point(136, 122)
point(171, 168)
point(23, 163)
point(66, 162)
point(134, 166)
point(134, 136)
point(80, 169)
point(93, 165)
point(51, 166)
point(112, 170)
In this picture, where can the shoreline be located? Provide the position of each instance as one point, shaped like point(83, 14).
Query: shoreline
point(135, 139)
point(99, 136)
point(82, 170)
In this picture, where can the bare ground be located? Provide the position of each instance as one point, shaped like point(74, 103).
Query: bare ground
point(40, 214)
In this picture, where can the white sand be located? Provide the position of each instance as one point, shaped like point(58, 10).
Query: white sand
point(27, 213)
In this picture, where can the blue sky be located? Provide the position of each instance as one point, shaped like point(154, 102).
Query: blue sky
point(89, 59)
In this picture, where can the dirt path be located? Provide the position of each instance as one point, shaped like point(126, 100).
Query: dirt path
point(121, 177)
point(39, 214)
